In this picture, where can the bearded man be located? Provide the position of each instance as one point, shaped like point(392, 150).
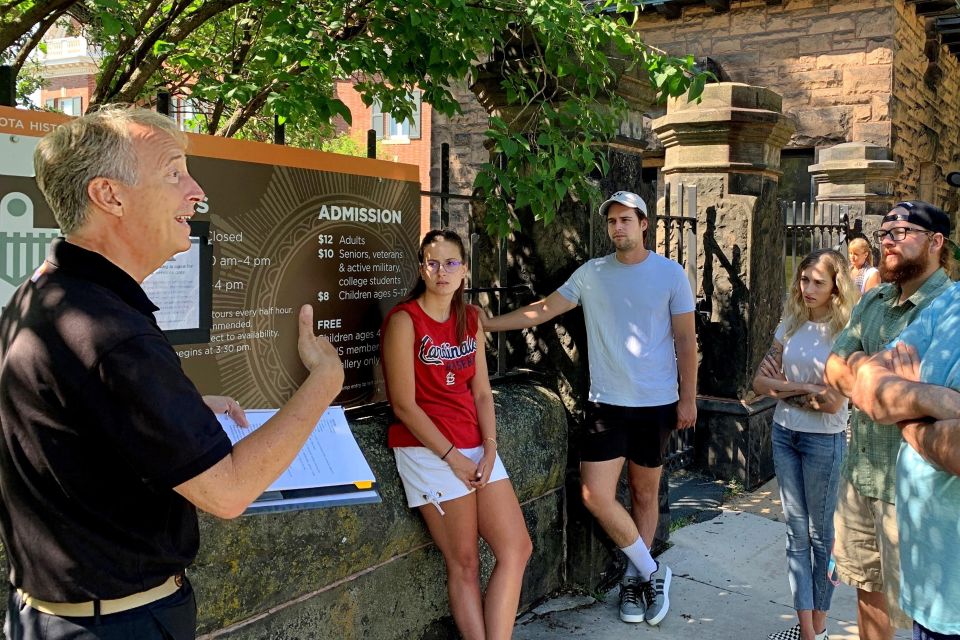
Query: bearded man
point(915, 252)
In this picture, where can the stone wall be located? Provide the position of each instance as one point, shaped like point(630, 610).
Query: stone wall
point(371, 571)
point(465, 135)
point(829, 59)
point(925, 113)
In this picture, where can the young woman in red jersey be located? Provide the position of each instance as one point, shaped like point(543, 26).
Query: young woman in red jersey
point(444, 438)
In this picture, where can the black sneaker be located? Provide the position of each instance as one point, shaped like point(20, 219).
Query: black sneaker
point(631, 604)
point(656, 594)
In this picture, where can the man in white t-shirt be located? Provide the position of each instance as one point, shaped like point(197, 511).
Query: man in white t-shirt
point(640, 335)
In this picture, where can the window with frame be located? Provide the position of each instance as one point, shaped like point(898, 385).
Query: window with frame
point(386, 125)
point(69, 106)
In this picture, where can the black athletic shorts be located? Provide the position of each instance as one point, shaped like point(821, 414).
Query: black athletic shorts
point(639, 434)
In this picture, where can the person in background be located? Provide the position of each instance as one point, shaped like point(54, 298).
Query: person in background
point(864, 274)
point(444, 439)
point(809, 430)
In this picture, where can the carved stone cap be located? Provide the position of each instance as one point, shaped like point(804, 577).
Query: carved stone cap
point(735, 127)
point(853, 160)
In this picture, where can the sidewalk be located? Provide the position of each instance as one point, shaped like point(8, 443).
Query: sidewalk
point(729, 582)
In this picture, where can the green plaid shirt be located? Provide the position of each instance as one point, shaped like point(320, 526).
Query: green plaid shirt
point(874, 323)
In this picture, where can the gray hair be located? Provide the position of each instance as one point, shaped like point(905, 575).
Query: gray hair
point(96, 145)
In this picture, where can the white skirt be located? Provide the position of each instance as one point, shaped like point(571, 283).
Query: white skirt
point(429, 480)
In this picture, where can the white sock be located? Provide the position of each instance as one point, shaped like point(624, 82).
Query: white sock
point(638, 554)
point(632, 571)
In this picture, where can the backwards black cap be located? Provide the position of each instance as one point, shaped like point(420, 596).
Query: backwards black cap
point(922, 214)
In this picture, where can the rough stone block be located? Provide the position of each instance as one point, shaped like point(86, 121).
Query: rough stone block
point(818, 79)
point(832, 25)
point(840, 60)
point(880, 54)
point(815, 43)
point(879, 133)
point(875, 23)
point(251, 566)
point(880, 107)
point(801, 63)
point(407, 597)
point(868, 79)
point(734, 441)
point(861, 113)
point(823, 122)
point(725, 45)
point(734, 63)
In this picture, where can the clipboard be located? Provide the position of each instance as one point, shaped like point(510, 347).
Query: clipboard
point(329, 471)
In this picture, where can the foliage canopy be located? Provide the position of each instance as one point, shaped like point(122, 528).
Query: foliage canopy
point(554, 64)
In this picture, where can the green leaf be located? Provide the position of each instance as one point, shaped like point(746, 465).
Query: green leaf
point(111, 26)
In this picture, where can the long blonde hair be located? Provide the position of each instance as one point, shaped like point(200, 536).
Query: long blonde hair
point(842, 299)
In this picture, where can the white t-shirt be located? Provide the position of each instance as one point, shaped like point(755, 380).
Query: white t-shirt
point(805, 356)
point(628, 310)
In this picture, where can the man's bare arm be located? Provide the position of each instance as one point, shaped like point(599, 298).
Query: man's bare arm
point(228, 487)
point(887, 389)
point(685, 343)
point(937, 442)
point(530, 315)
point(841, 373)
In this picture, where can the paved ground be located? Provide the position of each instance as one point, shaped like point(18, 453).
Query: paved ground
point(729, 583)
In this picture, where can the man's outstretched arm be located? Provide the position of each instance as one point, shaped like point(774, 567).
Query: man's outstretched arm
point(530, 315)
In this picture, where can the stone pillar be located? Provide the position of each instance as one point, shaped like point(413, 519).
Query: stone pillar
point(858, 177)
point(728, 145)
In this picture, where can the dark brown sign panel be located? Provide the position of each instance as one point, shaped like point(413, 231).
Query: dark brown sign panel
point(286, 227)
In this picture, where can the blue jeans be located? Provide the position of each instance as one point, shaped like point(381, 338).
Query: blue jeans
point(808, 471)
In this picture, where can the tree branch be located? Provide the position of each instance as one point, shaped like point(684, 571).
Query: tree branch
point(11, 32)
point(242, 114)
point(35, 39)
point(142, 64)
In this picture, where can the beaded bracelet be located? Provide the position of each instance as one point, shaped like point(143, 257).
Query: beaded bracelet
point(493, 440)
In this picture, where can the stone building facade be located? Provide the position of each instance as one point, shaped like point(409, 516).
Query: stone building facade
point(864, 71)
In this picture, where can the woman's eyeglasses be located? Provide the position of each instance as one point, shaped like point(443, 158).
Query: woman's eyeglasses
point(896, 234)
point(433, 266)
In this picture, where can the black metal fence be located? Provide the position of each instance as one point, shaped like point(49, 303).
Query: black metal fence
point(809, 226)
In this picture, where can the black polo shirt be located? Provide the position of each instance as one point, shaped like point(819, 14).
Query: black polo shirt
point(98, 424)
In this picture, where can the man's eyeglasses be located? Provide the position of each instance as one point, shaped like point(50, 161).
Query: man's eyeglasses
point(896, 234)
point(433, 266)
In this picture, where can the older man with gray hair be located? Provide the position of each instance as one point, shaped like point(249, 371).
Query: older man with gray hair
point(107, 448)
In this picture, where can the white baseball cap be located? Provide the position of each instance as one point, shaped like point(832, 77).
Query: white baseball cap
point(626, 198)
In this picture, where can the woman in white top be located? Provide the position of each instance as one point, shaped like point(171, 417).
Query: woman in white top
point(809, 423)
point(862, 271)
